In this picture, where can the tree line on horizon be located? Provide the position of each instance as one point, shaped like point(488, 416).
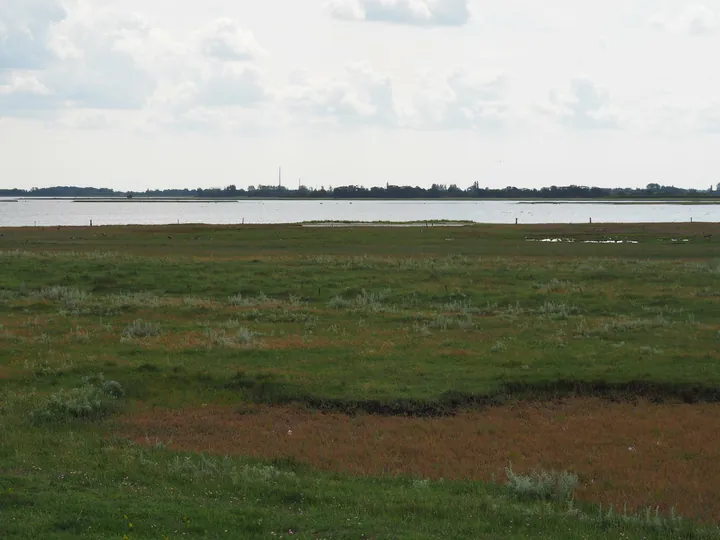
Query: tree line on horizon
point(436, 191)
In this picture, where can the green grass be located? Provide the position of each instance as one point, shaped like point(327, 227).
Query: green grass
point(395, 321)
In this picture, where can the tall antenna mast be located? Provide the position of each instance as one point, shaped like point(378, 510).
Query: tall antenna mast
point(280, 177)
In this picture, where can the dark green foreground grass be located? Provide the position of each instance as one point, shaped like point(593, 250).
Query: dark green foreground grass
point(396, 321)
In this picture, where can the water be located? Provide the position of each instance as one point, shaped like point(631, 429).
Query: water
point(29, 212)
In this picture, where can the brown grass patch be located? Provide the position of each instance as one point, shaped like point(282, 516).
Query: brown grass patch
point(295, 341)
point(642, 454)
point(7, 373)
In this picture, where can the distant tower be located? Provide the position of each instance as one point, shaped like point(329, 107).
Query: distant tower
point(280, 177)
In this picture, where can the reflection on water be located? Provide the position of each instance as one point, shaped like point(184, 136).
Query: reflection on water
point(66, 212)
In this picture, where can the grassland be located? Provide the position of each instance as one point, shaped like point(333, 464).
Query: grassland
point(358, 382)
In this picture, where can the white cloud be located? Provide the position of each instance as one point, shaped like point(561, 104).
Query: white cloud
point(224, 39)
point(211, 94)
point(358, 96)
point(461, 100)
point(23, 94)
point(695, 20)
point(409, 12)
point(585, 106)
point(101, 59)
point(229, 85)
point(220, 85)
point(91, 61)
point(221, 96)
point(22, 83)
point(103, 65)
point(25, 26)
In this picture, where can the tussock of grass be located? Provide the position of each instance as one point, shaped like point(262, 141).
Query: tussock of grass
point(544, 485)
point(557, 310)
point(141, 329)
point(557, 286)
point(137, 299)
point(238, 300)
point(70, 298)
point(94, 399)
point(627, 324)
point(444, 322)
point(203, 468)
point(242, 336)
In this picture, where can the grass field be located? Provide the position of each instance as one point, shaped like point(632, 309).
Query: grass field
point(360, 382)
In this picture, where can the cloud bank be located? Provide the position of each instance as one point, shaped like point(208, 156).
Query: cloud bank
point(93, 68)
point(584, 106)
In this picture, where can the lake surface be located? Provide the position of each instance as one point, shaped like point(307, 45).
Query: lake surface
point(66, 212)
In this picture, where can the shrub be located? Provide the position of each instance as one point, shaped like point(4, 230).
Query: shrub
point(113, 389)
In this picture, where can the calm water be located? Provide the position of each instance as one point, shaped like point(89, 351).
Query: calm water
point(66, 212)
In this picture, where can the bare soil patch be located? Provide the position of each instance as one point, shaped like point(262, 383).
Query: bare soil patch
point(639, 454)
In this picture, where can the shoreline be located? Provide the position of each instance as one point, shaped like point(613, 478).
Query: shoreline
point(633, 201)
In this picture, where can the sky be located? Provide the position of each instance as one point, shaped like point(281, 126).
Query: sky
point(156, 94)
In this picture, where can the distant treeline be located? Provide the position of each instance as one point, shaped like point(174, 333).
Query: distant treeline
point(437, 191)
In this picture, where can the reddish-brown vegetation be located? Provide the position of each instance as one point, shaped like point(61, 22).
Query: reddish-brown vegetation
point(6, 372)
point(640, 454)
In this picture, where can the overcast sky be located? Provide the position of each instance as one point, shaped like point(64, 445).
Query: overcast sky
point(134, 94)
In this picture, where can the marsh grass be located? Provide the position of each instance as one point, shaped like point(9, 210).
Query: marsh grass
point(158, 494)
point(348, 321)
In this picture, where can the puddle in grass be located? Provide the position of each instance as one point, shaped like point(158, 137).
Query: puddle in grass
point(581, 241)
